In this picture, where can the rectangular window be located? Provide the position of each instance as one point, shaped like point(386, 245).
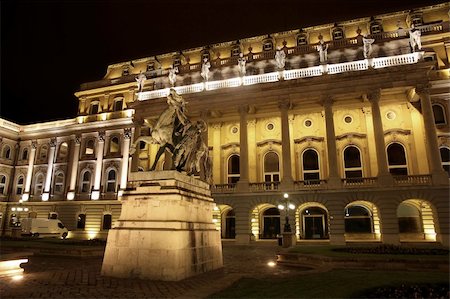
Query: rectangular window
point(107, 221)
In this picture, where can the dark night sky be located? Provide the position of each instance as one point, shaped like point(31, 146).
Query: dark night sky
point(48, 48)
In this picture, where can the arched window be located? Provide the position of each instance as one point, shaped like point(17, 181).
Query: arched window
point(118, 104)
point(271, 223)
point(63, 151)
point(111, 181)
point(43, 152)
point(81, 221)
point(352, 162)
point(358, 219)
point(445, 158)
point(302, 39)
point(59, 183)
point(2, 184)
point(114, 145)
point(6, 152)
point(439, 114)
point(25, 154)
point(85, 182)
point(338, 33)
point(315, 223)
point(233, 169)
point(408, 218)
point(310, 162)
point(89, 149)
point(19, 185)
point(397, 159)
point(107, 221)
point(230, 225)
point(38, 185)
point(271, 167)
point(267, 45)
point(93, 109)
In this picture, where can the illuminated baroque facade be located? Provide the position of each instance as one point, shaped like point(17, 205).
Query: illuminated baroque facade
point(349, 120)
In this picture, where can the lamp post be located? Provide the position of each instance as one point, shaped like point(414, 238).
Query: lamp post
point(286, 205)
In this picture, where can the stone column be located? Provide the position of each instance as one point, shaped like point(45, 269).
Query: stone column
point(98, 166)
point(242, 184)
point(438, 174)
point(137, 134)
point(243, 223)
point(336, 209)
point(387, 209)
point(287, 181)
point(26, 193)
point(74, 168)
point(334, 179)
point(125, 158)
point(217, 165)
point(48, 178)
point(384, 177)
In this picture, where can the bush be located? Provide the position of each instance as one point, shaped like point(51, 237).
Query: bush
point(393, 249)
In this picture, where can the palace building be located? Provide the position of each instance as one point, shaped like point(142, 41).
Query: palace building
point(350, 120)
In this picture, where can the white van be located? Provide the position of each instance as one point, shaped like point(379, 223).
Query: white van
point(39, 227)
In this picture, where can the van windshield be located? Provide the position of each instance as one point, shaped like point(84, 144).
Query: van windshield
point(60, 225)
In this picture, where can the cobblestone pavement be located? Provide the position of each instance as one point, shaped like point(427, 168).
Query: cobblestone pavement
point(69, 277)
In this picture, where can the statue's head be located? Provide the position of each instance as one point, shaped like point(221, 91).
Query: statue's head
point(201, 125)
point(241, 55)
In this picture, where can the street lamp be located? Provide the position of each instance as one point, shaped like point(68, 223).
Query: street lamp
point(286, 206)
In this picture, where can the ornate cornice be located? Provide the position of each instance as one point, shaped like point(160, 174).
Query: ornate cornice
point(308, 139)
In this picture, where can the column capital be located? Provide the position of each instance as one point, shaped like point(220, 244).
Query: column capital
point(127, 133)
point(374, 96)
point(284, 105)
point(366, 110)
point(327, 100)
point(77, 139)
point(216, 126)
point(243, 109)
point(34, 144)
point(101, 136)
point(423, 89)
point(52, 142)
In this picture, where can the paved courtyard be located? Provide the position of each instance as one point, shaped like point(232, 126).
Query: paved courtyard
point(69, 277)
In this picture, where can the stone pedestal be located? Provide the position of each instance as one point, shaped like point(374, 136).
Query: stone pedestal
point(165, 230)
point(289, 239)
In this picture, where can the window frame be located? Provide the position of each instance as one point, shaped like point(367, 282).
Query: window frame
point(20, 176)
point(37, 183)
point(443, 114)
point(3, 185)
point(56, 183)
point(360, 168)
point(232, 176)
point(103, 221)
point(6, 152)
point(109, 181)
point(303, 164)
point(397, 166)
point(83, 182)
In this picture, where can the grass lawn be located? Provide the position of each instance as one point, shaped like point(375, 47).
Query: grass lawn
point(332, 284)
point(327, 250)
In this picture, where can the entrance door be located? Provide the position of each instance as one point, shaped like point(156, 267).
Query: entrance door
point(230, 224)
point(314, 226)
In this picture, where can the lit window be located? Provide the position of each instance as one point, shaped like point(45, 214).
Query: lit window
point(445, 158)
point(352, 162)
point(111, 181)
point(302, 39)
point(6, 152)
point(89, 150)
point(439, 115)
point(38, 185)
point(268, 45)
point(19, 185)
point(233, 169)
point(85, 182)
point(2, 184)
point(397, 159)
point(114, 145)
point(63, 151)
point(310, 162)
point(107, 221)
point(375, 27)
point(81, 221)
point(338, 34)
point(59, 183)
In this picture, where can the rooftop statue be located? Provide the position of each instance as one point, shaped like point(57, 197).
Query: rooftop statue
point(322, 48)
point(173, 75)
point(205, 69)
point(241, 64)
point(414, 39)
point(280, 58)
point(140, 81)
point(184, 140)
point(367, 47)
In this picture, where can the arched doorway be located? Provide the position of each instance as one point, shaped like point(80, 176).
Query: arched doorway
point(362, 221)
point(230, 225)
point(270, 223)
point(313, 223)
point(416, 220)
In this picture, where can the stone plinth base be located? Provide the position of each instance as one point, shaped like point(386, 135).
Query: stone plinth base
point(289, 240)
point(165, 230)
